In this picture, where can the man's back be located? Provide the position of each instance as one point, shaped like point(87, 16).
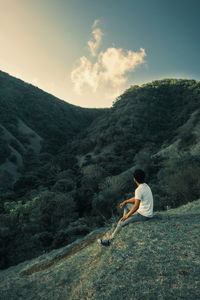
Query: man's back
point(144, 194)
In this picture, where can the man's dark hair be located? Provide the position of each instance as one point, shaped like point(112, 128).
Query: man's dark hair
point(139, 175)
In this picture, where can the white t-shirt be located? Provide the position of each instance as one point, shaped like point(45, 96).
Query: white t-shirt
point(143, 193)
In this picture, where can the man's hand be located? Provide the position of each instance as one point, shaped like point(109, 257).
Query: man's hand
point(122, 204)
point(124, 218)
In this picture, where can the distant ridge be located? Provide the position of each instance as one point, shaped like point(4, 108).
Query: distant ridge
point(38, 109)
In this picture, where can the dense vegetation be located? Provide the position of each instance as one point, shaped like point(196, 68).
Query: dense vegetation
point(53, 119)
point(66, 193)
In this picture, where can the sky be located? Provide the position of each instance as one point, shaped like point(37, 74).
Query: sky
point(88, 52)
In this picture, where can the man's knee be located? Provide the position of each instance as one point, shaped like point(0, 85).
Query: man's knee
point(120, 223)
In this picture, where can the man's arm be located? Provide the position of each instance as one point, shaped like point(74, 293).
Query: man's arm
point(133, 209)
point(131, 200)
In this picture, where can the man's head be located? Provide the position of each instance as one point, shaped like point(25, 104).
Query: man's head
point(139, 175)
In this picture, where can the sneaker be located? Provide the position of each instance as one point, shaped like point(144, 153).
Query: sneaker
point(104, 242)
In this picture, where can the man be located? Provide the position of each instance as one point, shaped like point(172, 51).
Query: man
point(138, 208)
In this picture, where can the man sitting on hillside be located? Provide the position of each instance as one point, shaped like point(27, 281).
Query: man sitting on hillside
point(138, 208)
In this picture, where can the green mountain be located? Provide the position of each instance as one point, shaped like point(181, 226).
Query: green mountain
point(157, 259)
point(156, 127)
point(146, 118)
point(73, 185)
point(33, 122)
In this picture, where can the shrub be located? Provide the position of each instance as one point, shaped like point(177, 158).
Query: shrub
point(56, 209)
point(13, 159)
point(105, 203)
point(119, 183)
point(4, 151)
point(63, 185)
point(43, 239)
point(6, 180)
point(185, 184)
point(181, 179)
point(187, 139)
point(17, 146)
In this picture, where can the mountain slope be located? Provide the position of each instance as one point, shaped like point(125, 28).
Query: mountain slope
point(65, 195)
point(33, 121)
point(156, 127)
point(147, 114)
point(43, 112)
point(153, 260)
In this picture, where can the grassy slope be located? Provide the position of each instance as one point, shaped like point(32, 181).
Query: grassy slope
point(154, 260)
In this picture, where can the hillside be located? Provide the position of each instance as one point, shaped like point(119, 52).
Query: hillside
point(32, 122)
point(155, 126)
point(43, 112)
point(143, 119)
point(158, 259)
point(65, 195)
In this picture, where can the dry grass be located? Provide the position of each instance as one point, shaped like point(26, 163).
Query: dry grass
point(158, 259)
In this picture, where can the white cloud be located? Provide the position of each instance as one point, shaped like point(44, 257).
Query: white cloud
point(96, 22)
point(116, 62)
point(85, 74)
point(109, 71)
point(94, 45)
